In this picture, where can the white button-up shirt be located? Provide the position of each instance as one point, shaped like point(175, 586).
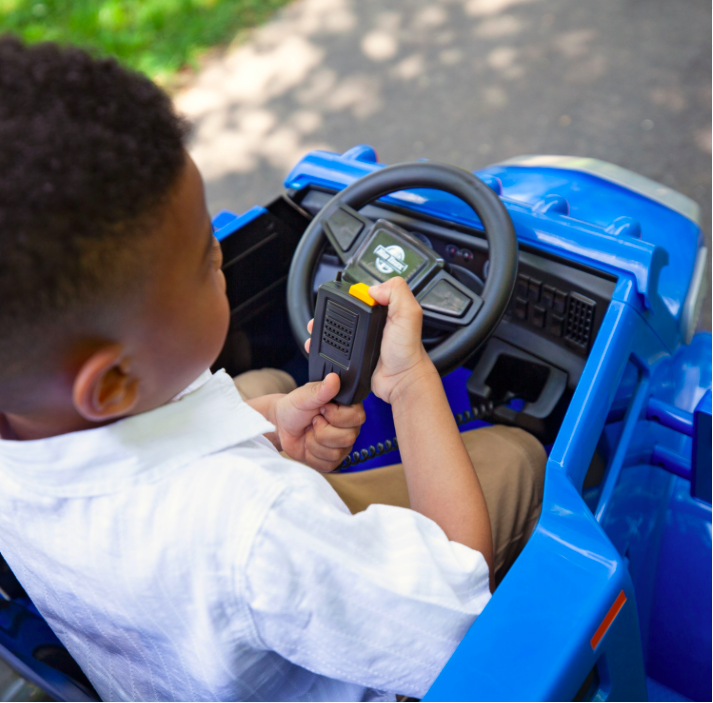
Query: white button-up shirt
point(178, 556)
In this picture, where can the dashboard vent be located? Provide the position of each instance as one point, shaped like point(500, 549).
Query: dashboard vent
point(339, 329)
point(580, 320)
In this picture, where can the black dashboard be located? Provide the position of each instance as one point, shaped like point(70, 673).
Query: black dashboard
point(558, 304)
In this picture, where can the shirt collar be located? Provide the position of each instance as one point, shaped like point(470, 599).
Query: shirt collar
point(205, 418)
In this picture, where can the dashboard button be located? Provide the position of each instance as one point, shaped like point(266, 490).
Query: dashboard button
point(538, 316)
point(560, 302)
point(446, 299)
point(521, 308)
point(548, 296)
point(556, 325)
point(345, 228)
point(522, 284)
point(534, 289)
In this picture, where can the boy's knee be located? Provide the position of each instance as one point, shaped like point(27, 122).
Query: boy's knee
point(507, 453)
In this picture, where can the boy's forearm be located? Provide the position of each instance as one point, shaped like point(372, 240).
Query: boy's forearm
point(265, 405)
point(442, 483)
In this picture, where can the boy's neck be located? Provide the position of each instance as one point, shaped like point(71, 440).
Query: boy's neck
point(24, 427)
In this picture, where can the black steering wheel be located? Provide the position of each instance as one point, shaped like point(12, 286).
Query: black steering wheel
point(446, 302)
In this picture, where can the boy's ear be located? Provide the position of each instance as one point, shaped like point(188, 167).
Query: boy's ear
point(104, 388)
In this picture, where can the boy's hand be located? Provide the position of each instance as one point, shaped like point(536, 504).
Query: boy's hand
point(313, 430)
point(403, 359)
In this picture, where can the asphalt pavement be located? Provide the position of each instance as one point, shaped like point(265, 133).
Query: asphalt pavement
point(470, 82)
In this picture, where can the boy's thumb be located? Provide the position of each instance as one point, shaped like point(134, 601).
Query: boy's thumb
point(314, 395)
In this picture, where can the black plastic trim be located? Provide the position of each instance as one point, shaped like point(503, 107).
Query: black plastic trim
point(423, 223)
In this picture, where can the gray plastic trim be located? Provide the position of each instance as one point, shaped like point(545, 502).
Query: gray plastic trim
point(691, 310)
point(616, 174)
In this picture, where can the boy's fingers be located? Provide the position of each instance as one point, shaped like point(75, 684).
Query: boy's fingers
point(314, 395)
point(404, 310)
point(395, 293)
point(344, 415)
point(335, 437)
point(310, 324)
point(320, 457)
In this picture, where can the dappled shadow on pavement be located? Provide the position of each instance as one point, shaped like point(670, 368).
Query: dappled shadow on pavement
point(469, 82)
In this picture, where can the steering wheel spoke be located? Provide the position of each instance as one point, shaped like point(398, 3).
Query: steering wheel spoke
point(345, 229)
point(448, 304)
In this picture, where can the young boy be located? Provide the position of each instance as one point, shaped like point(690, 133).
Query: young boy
point(143, 505)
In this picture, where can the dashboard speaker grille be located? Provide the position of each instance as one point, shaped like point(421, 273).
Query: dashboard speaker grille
point(580, 320)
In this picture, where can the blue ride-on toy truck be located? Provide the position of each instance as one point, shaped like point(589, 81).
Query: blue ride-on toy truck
point(561, 295)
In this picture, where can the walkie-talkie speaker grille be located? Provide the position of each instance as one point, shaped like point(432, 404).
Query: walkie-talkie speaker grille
point(339, 329)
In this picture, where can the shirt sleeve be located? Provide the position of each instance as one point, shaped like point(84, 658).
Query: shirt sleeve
point(381, 598)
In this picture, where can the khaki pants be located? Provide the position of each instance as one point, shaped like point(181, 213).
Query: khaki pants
point(253, 384)
point(510, 464)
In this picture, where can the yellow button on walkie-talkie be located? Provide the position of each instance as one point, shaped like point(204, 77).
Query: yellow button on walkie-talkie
point(361, 291)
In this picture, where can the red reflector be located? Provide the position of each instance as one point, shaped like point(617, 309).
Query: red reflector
point(608, 620)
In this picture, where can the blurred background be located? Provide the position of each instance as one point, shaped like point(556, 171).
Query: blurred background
point(470, 82)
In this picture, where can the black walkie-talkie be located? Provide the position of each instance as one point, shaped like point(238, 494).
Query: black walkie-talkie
point(346, 338)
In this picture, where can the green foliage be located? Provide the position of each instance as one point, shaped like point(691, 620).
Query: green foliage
point(158, 37)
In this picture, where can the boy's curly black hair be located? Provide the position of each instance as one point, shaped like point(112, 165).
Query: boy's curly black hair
point(88, 152)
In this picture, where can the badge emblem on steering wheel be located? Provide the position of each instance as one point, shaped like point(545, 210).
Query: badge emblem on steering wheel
point(390, 259)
